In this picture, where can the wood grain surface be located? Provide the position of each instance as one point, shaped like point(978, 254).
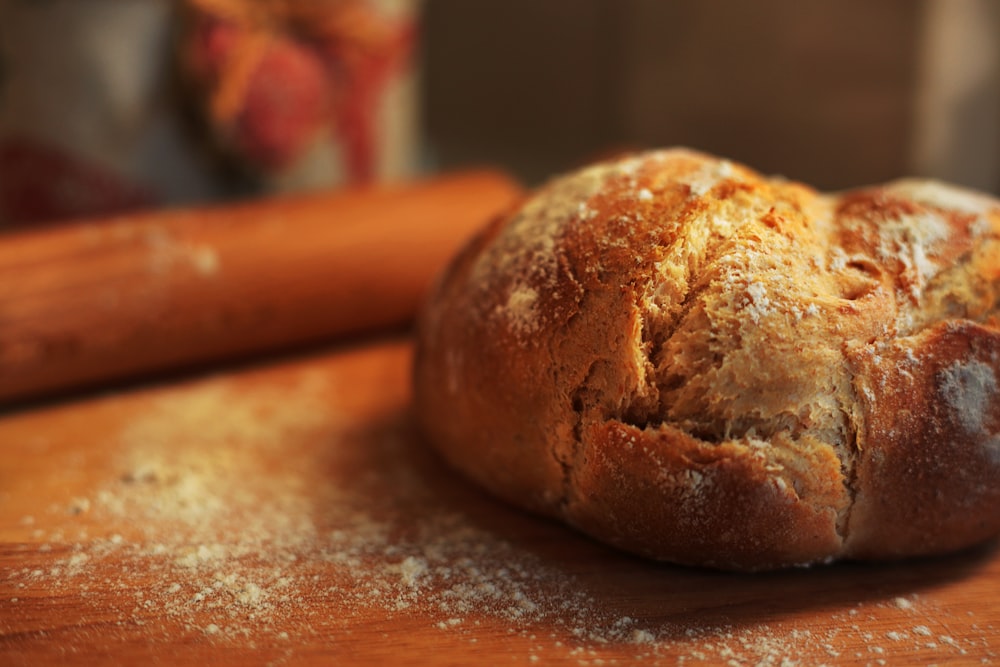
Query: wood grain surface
point(288, 513)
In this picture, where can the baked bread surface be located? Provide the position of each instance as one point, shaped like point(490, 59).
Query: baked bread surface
point(695, 363)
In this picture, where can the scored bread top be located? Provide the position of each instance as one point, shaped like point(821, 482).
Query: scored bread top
point(696, 363)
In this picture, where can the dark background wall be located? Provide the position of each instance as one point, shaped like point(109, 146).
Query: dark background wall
point(822, 91)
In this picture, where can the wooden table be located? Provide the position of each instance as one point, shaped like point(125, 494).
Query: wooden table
point(287, 513)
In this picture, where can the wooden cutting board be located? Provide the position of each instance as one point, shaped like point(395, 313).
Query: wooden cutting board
point(288, 513)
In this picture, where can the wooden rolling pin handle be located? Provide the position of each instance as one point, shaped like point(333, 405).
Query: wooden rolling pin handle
point(110, 299)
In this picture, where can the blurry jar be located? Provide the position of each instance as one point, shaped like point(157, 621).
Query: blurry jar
point(304, 93)
point(114, 105)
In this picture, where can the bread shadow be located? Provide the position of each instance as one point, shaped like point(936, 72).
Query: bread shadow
point(409, 486)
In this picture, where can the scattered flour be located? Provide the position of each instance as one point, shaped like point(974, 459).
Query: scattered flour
point(942, 195)
point(220, 520)
point(710, 176)
point(969, 389)
point(522, 310)
point(528, 242)
point(759, 304)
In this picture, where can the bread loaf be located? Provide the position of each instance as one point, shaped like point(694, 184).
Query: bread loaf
point(693, 362)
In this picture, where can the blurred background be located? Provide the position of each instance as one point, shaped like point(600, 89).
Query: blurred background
point(836, 93)
point(109, 105)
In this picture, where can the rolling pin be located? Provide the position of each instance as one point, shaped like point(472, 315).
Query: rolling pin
point(89, 302)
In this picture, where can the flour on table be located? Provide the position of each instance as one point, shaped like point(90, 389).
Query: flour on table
point(223, 516)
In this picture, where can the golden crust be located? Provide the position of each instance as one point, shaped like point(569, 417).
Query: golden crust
point(696, 363)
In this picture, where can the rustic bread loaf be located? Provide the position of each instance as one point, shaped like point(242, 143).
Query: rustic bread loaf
point(693, 362)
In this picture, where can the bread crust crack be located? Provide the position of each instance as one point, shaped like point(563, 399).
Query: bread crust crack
point(694, 362)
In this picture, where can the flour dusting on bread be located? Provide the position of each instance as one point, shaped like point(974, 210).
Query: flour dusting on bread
point(695, 362)
point(521, 309)
point(527, 245)
point(969, 389)
point(534, 231)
